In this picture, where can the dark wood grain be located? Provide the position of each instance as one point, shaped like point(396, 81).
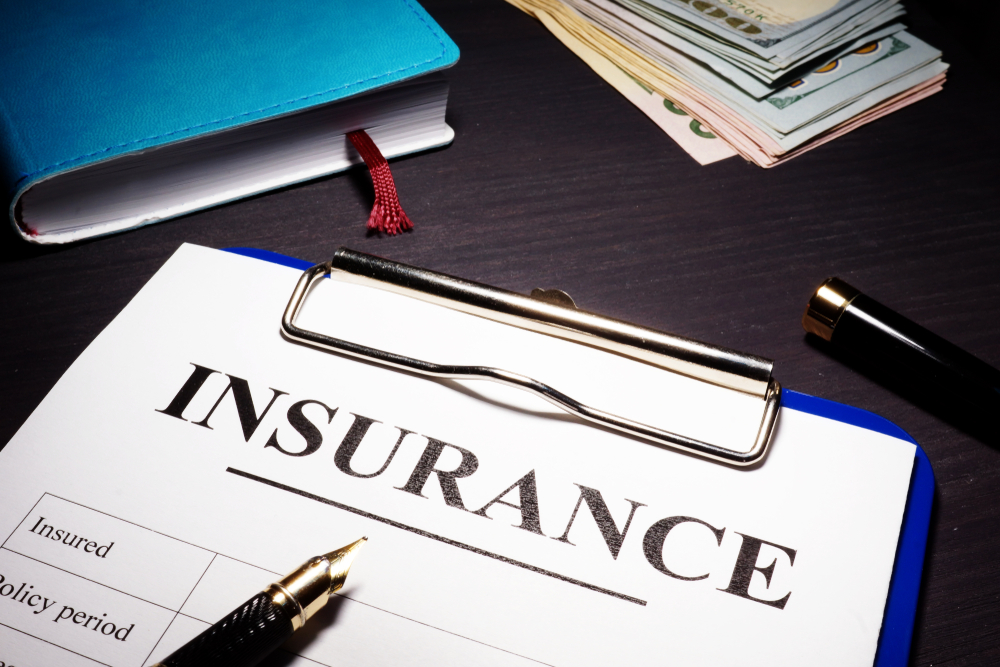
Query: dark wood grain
point(554, 180)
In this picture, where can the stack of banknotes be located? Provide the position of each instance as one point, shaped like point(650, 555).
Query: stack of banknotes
point(767, 80)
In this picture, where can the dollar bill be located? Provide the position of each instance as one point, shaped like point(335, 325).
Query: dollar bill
point(692, 60)
point(858, 75)
point(842, 81)
point(795, 52)
point(766, 27)
point(696, 139)
point(801, 135)
point(852, 89)
point(835, 84)
point(905, 98)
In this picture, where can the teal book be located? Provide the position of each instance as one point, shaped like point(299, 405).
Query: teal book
point(117, 114)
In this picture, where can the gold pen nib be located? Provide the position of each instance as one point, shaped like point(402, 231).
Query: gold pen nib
point(304, 592)
point(340, 562)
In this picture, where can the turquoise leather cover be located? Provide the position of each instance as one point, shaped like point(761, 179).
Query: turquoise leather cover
point(88, 81)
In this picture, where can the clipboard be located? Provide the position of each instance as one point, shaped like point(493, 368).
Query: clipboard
point(904, 588)
point(554, 314)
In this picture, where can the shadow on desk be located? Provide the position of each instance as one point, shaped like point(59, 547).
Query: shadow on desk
point(13, 247)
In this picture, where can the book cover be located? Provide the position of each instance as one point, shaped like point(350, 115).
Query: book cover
point(86, 83)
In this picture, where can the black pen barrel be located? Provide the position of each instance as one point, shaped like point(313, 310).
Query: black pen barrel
point(891, 343)
point(910, 351)
point(242, 638)
point(250, 632)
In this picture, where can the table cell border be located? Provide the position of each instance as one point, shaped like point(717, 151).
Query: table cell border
point(118, 518)
point(177, 612)
point(46, 641)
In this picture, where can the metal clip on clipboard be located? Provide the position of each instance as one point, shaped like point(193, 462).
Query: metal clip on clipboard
point(552, 313)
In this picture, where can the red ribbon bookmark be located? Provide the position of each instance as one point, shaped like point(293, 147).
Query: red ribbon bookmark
point(387, 214)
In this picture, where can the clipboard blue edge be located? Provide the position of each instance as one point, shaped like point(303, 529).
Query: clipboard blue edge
point(904, 587)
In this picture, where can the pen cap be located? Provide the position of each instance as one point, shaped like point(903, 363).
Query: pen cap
point(891, 343)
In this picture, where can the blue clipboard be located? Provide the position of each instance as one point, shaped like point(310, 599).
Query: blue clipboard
point(904, 587)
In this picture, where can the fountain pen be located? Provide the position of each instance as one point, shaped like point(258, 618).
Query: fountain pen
point(250, 632)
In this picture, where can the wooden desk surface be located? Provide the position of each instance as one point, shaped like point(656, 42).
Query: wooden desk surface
point(554, 180)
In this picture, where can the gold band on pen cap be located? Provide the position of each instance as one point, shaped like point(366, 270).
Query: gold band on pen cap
point(826, 306)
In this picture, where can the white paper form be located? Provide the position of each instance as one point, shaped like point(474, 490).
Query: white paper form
point(191, 455)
